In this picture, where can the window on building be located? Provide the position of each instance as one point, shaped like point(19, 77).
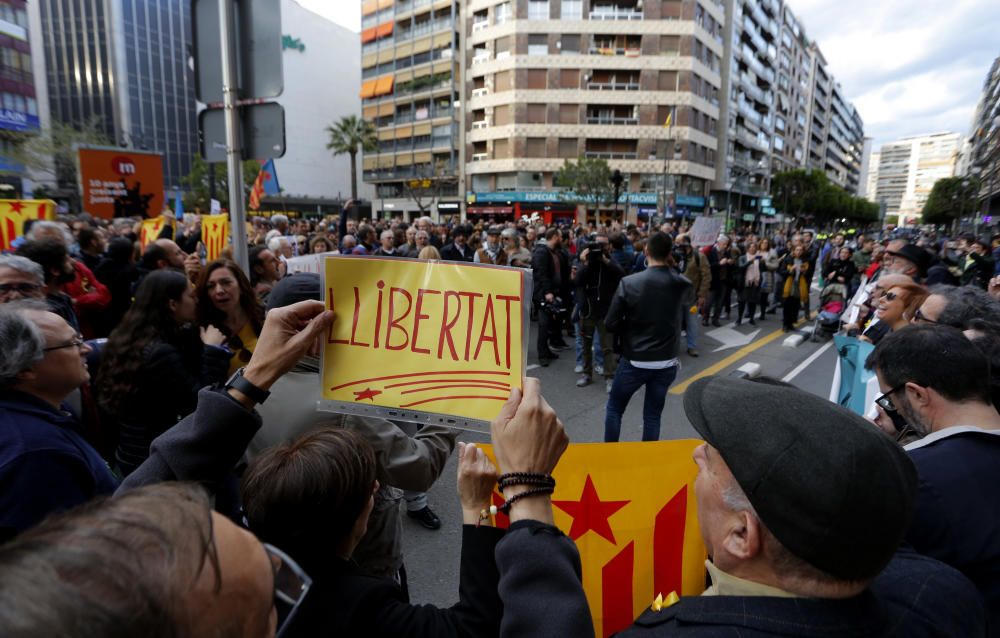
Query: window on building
point(538, 9)
point(569, 113)
point(535, 147)
point(538, 44)
point(501, 115)
point(667, 81)
point(502, 81)
point(570, 44)
point(537, 78)
point(569, 78)
point(501, 150)
point(779, 123)
point(670, 44)
point(572, 9)
point(536, 113)
point(568, 147)
point(501, 13)
point(779, 143)
point(502, 45)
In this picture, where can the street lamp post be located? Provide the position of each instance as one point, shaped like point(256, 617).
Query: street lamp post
point(617, 179)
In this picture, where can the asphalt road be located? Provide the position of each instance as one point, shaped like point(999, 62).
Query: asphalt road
point(432, 557)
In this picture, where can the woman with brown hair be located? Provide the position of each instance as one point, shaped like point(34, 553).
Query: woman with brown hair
point(227, 301)
point(313, 497)
point(895, 308)
point(795, 267)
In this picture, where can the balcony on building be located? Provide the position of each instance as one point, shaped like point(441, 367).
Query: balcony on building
point(611, 149)
point(480, 20)
point(605, 80)
point(614, 115)
point(752, 35)
point(616, 10)
point(627, 45)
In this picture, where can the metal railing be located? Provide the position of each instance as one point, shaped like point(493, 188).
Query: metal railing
point(480, 157)
point(629, 155)
point(614, 121)
point(613, 86)
point(616, 15)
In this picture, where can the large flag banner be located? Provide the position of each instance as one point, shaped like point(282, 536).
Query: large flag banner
point(266, 183)
point(423, 341)
point(150, 231)
point(13, 214)
point(631, 511)
point(214, 235)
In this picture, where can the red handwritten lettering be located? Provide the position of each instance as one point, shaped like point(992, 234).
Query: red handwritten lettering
point(418, 316)
point(394, 321)
point(378, 312)
point(507, 299)
point(447, 325)
point(488, 317)
point(472, 314)
point(329, 332)
point(354, 324)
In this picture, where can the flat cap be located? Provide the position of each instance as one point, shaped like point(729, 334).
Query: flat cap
point(300, 286)
point(832, 489)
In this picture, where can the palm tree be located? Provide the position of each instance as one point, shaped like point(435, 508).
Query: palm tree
point(345, 137)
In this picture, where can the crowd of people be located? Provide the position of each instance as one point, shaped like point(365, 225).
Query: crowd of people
point(165, 471)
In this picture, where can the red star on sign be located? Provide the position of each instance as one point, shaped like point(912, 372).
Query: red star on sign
point(590, 513)
point(367, 393)
point(15, 207)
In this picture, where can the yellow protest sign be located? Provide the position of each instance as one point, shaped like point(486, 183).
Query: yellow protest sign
point(630, 509)
point(214, 235)
point(13, 214)
point(415, 340)
point(150, 231)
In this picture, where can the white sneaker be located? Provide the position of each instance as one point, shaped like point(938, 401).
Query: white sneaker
point(607, 385)
point(598, 369)
point(578, 370)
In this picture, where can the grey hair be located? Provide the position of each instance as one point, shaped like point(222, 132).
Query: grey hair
point(41, 229)
point(723, 237)
point(279, 218)
point(274, 244)
point(965, 303)
point(22, 344)
point(25, 265)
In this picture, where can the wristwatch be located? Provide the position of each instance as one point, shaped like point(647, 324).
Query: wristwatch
point(239, 382)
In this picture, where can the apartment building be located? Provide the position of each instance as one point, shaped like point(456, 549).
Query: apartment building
point(551, 80)
point(908, 168)
point(747, 111)
point(528, 84)
point(984, 154)
point(19, 109)
point(410, 75)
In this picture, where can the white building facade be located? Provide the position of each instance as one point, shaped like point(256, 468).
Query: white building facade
point(908, 168)
point(322, 70)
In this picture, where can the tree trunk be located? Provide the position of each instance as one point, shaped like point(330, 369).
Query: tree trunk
point(354, 175)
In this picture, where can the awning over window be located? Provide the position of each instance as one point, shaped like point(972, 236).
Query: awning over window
point(384, 29)
point(368, 35)
point(383, 85)
point(368, 88)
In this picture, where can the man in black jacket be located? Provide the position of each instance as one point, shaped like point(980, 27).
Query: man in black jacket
point(645, 316)
point(596, 280)
point(459, 248)
point(550, 270)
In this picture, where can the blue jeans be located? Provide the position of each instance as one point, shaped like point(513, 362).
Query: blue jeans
point(598, 350)
point(691, 328)
point(628, 379)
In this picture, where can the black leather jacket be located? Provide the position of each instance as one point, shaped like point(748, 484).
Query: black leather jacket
point(646, 312)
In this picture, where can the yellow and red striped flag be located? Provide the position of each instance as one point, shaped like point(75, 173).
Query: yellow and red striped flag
point(631, 510)
point(150, 231)
point(214, 235)
point(14, 212)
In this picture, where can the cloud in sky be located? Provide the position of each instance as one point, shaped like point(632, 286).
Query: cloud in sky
point(910, 66)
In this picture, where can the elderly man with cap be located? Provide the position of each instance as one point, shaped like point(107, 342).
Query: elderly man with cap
point(906, 259)
point(491, 252)
point(802, 514)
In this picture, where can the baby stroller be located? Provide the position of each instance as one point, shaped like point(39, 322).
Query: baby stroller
point(832, 302)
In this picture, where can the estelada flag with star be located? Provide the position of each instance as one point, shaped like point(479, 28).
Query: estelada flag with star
point(150, 231)
point(631, 511)
point(265, 184)
point(214, 235)
point(13, 214)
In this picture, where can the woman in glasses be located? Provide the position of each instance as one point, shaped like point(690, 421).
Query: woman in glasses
point(154, 363)
point(226, 300)
point(313, 497)
point(894, 308)
point(517, 255)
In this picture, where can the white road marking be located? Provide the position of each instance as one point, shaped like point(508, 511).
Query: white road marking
point(805, 364)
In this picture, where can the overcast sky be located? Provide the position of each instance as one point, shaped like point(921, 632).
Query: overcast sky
point(911, 67)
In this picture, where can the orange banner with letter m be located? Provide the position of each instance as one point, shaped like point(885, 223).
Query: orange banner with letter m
point(631, 511)
point(13, 214)
point(214, 234)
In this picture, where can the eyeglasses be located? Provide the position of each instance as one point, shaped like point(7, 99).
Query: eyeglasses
point(291, 584)
point(920, 317)
point(77, 342)
point(890, 296)
point(885, 402)
point(23, 288)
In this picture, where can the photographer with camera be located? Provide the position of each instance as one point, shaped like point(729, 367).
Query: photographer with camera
point(596, 280)
point(550, 269)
